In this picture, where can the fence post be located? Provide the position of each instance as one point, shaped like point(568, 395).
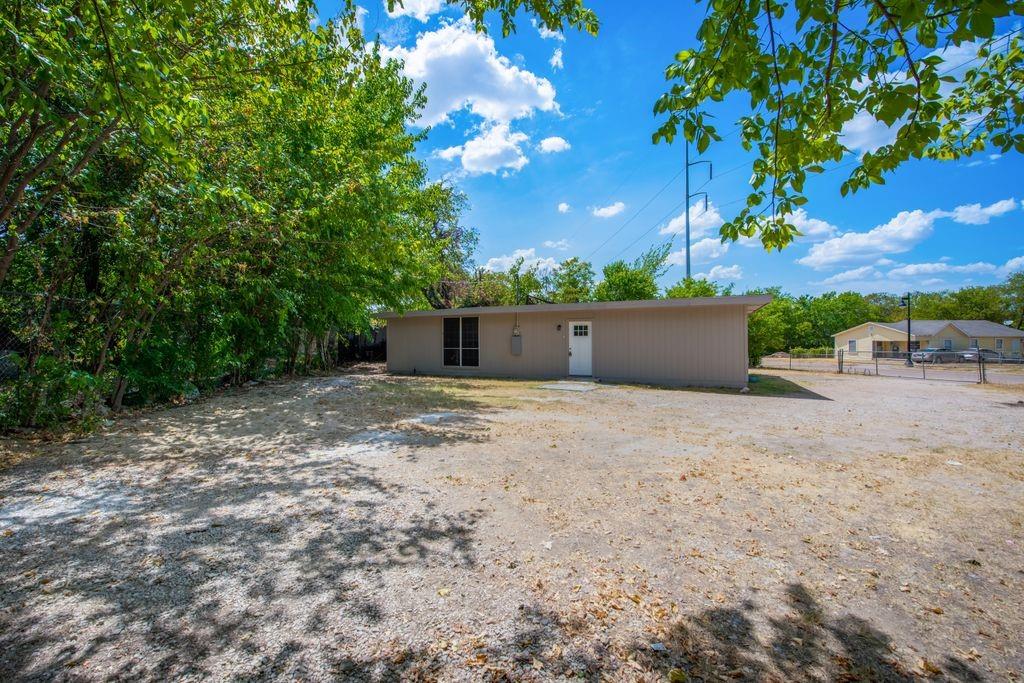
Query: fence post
point(876, 366)
point(791, 359)
point(981, 368)
point(840, 356)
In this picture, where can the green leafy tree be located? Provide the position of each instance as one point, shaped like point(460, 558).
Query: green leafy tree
point(526, 284)
point(80, 77)
point(628, 282)
point(457, 243)
point(1013, 299)
point(830, 313)
point(572, 282)
point(230, 245)
point(979, 303)
point(809, 68)
point(693, 287)
point(769, 328)
point(554, 15)
point(520, 285)
point(885, 307)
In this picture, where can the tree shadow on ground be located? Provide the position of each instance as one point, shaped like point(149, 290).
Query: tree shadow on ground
point(807, 644)
point(185, 530)
point(736, 643)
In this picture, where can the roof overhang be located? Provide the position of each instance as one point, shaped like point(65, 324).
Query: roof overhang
point(750, 302)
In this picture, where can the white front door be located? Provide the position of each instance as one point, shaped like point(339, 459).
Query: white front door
point(579, 348)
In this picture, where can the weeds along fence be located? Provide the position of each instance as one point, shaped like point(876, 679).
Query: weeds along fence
point(980, 370)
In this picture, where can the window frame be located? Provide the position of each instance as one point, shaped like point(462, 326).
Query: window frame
point(462, 347)
point(999, 343)
point(851, 346)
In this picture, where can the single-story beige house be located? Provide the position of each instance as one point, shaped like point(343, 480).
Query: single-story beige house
point(697, 342)
point(881, 339)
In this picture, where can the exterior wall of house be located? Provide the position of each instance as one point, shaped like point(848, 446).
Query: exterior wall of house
point(704, 345)
point(1010, 347)
point(960, 341)
point(875, 338)
point(867, 336)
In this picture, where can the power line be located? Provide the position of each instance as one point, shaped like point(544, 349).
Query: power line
point(680, 204)
point(638, 212)
point(672, 236)
point(583, 223)
point(991, 44)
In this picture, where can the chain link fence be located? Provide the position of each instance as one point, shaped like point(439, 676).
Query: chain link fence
point(953, 369)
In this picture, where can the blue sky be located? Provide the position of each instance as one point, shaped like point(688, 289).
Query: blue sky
point(550, 138)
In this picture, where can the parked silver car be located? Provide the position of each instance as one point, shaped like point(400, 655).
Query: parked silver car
point(932, 355)
point(990, 356)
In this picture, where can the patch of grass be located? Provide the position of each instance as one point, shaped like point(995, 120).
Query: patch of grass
point(773, 385)
point(759, 385)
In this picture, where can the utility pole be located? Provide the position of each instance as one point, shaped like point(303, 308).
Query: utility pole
point(690, 196)
point(906, 302)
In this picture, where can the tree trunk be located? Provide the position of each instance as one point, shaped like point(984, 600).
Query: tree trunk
point(309, 339)
point(12, 244)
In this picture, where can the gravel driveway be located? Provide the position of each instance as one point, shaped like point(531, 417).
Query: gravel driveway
point(369, 527)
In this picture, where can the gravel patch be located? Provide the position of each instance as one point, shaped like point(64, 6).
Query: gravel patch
point(365, 527)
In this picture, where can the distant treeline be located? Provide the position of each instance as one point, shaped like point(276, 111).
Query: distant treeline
point(788, 322)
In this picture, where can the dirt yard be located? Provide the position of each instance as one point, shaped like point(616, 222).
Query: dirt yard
point(364, 527)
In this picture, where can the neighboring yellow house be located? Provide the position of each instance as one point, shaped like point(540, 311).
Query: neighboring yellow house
point(884, 339)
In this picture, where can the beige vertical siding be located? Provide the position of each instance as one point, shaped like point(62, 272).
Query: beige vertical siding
point(696, 346)
point(705, 346)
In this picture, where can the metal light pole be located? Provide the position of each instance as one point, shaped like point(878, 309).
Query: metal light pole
point(906, 302)
point(690, 196)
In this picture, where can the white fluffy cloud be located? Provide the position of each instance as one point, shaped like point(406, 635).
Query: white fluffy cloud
point(701, 222)
point(530, 259)
point(496, 148)
point(560, 245)
point(864, 133)
point(900, 234)
point(729, 273)
point(608, 211)
point(976, 214)
point(417, 9)
point(563, 207)
point(553, 145)
point(919, 269)
point(556, 59)
point(923, 275)
point(853, 275)
point(546, 33)
point(462, 69)
point(812, 228)
point(1013, 265)
point(707, 249)
point(944, 267)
